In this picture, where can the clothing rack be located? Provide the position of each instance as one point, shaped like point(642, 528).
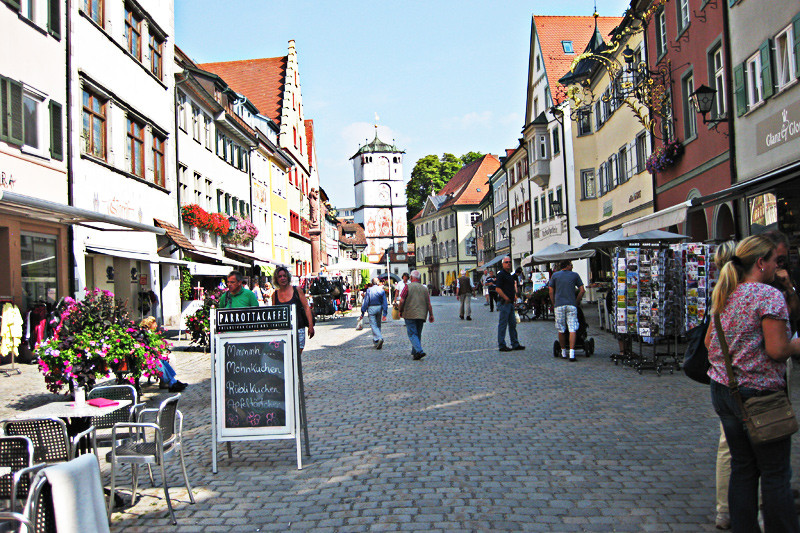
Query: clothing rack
point(9, 300)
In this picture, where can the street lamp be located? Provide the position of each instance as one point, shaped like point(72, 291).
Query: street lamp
point(555, 207)
point(703, 101)
point(503, 231)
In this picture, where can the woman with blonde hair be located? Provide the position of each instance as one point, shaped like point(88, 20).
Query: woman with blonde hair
point(755, 321)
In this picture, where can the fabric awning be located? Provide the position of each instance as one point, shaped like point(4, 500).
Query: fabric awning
point(557, 252)
point(125, 254)
point(664, 218)
point(38, 209)
point(615, 237)
point(216, 258)
point(250, 256)
point(351, 264)
point(206, 269)
point(492, 262)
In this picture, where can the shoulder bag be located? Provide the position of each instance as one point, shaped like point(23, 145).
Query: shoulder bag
point(695, 360)
point(768, 418)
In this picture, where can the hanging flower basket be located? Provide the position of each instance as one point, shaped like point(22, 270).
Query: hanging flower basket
point(244, 233)
point(196, 216)
point(663, 157)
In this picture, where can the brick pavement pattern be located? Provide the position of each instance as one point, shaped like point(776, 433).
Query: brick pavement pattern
point(467, 439)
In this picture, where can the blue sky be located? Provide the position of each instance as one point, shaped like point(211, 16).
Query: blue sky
point(443, 76)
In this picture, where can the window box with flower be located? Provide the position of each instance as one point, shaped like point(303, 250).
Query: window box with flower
point(664, 157)
point(244, 233)
point(196, 216)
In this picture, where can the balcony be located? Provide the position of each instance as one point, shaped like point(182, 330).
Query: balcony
point(540, 172)
point(431, 260)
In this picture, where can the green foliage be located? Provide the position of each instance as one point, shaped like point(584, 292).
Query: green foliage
point(186, 284)
point(429, 175)
point(199, 324)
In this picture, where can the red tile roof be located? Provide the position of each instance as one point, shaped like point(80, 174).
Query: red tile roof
point(358, 237)
point(309, 123)
point(469, 186)
point(551, 30)
point(262, 81)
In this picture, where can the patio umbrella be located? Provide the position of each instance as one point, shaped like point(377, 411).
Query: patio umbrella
point(351, 264)
point(394, 277)
point(557, 252)
point(613, 238)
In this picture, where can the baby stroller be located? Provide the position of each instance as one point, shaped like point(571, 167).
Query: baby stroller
point(581, 341)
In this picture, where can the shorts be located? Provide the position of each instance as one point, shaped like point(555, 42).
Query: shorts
point(301, 337)
point(566, 318)
point(485, 291)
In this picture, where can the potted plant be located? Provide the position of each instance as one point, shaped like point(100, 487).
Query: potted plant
point(664, 156)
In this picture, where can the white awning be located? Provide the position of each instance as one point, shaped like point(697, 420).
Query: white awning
point(125, 254)
point(223, 260)
point(665, 218)
point(38, 209)
point(206, 269)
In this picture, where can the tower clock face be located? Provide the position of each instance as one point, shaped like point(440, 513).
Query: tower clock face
point(383, 161)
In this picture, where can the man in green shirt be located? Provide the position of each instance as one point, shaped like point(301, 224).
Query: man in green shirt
point(237, 296)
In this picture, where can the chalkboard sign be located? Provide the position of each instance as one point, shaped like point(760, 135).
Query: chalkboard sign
point(255, 384)
point(255, 376)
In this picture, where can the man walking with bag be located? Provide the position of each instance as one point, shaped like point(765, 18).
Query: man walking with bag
point(562, 287)
point(415, 306)
point(464, 295)
point(506, 293)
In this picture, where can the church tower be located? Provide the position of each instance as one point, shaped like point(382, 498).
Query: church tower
point(380, 196)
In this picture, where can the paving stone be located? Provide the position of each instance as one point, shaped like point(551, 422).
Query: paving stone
point(467, 439)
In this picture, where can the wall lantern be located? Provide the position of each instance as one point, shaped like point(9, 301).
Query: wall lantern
point(703, 101)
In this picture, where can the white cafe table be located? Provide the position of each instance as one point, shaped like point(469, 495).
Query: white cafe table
point(70, 410)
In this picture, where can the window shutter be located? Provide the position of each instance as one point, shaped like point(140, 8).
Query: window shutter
point(54, 18)
point(740, 90)
point(56, 135)
point(14, 110)
point(632, 161)
point(796, 35)
point(13, 3)
point(766, 69)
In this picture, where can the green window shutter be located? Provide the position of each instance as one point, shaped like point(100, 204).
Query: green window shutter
point(766, 69)
point(740, 90)
point(3, 108)
point(54, 18)
point(732, 2)
point(14, 110)
point(15, 4)
point(796, 32)
point(56, 132)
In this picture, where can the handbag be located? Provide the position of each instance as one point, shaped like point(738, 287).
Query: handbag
point(395, 313)
point(768, 418)
point(360, 324)
point(516, 317)
point(695, 360)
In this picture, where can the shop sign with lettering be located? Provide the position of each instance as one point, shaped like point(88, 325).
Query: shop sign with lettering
point(778, 129)
point(552, 229)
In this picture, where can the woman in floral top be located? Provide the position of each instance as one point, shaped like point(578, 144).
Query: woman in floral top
point(755, 320)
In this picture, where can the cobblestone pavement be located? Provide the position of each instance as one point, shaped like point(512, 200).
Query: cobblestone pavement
point(467, 439)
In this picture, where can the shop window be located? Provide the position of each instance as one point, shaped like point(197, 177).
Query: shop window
point(135, 147)
point(39, 263)
point(94, 125)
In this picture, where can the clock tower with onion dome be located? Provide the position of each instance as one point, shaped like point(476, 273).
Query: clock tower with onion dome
point(380, 197)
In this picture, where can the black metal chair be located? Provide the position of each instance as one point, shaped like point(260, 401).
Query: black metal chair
point(16, 460)
point(126, 414)
point(51, 442)
point(167, 435)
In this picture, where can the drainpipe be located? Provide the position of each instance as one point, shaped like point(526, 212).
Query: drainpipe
point(73, 260)
point(729, 106)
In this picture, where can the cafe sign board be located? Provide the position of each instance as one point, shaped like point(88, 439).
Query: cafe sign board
point(778, 129)
point(256, 379)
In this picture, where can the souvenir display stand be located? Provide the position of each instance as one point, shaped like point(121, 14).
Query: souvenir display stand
point(662, 292)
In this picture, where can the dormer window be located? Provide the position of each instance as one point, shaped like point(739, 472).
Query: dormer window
point(567, 46)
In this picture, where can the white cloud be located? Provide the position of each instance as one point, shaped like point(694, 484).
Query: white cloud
point(471, 120)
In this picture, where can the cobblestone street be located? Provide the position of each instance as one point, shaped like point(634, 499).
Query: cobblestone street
point(467, 439)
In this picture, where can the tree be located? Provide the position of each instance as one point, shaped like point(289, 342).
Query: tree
point(429, 175)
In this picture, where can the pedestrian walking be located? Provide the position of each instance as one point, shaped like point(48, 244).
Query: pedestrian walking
point(485, 287)
point(258, 292)
point(562, 286)
point(506, 293)
point(399, 286)
point(491, 288)
point(464, 296)
point(375, 306)
point(755, 322)
point(415, 307)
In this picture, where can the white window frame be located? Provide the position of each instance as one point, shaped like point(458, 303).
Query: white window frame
point(661, 33)
point(784, 59)
point(717, 75)
point(689, 113)
point(683, 15)
point(755, 88)
point(42, 120)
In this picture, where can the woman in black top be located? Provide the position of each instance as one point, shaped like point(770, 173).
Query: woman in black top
point(285, 293)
